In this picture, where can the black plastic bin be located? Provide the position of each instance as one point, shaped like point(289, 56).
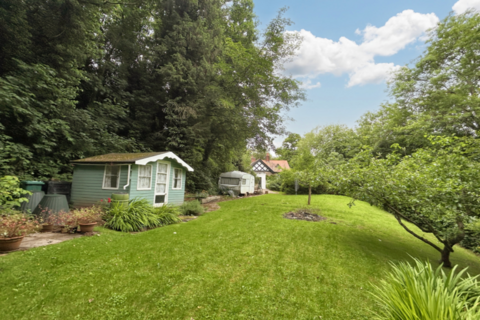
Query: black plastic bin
point(59, 187)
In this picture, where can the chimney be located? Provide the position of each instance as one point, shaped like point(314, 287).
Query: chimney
point(252, 159)
point(267, 158)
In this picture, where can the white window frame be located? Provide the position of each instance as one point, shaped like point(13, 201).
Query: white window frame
point(105, 174)
point(181, 179)
point(138, 176)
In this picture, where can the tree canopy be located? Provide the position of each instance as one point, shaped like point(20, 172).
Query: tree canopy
point(81, 78)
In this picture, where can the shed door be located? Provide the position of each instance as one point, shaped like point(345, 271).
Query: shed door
point(161, 184)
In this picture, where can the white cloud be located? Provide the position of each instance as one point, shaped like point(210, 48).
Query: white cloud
point(371, 73)
point(309, 85)
point(463, 5)
point(320, 55)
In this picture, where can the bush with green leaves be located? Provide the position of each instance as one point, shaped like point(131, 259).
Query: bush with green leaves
point(191, 208)
point(139, 215)
point(421, 292)
point(11, 195)
point(274, 182)
point(167, 214)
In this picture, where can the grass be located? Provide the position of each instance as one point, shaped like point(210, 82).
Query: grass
point(243, 261)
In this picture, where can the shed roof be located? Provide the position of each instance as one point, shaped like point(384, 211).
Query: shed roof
point(118, 157)
point(136, 158)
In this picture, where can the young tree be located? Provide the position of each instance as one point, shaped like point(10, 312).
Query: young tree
point(435, 188)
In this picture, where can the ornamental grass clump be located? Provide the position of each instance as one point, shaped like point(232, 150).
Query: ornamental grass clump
point(419, 292)
point(167, 214)
point(17, 225)
point(139, 215)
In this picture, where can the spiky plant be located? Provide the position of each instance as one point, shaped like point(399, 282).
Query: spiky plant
point(420, 292)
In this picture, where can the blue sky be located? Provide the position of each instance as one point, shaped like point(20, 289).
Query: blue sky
point(349, 48)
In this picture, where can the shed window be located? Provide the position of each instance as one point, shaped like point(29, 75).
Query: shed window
point(111, 178)
point(144, 177)
point(231, 181)
point(177, 178)
point(244, 181)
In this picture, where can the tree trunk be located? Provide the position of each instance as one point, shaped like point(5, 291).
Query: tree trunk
point(445, 258)
point(309, 194)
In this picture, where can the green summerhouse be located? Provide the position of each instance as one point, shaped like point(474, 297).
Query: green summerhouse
point(158, 177)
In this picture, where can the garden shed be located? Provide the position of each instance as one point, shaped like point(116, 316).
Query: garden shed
point(237, 181)
point(158, 177)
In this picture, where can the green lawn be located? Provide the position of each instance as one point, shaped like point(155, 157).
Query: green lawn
point(241, 262)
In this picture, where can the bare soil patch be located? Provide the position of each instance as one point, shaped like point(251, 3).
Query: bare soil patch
point(304, 214)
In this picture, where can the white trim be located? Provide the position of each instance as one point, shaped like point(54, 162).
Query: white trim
point(105, 173)
point(128, 178)
point(138, 176)
point(181, 179)
point(162, 156)
point(166, 184)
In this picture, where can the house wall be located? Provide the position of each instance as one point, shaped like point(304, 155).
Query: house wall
point(174, 196)
point(88, 181)
point(87, 184)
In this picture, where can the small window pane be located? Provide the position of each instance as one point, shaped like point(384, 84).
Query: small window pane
point(162, 168)
point(231, 181)
point(112, 174)
point(177, 178)
point(161, 178)
point(244, 181)
point(160, 188)
point(159, 199)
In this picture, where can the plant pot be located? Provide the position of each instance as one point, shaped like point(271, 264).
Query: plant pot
point(87, 227)
point(47, 228)
point(9, 244)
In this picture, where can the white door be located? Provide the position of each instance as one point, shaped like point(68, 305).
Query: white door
point(161, 183)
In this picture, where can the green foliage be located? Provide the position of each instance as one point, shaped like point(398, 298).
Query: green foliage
point(16, 224)
point(191, 208)
point(139, 214)
point(438, 95)
point(288, 177)
point(274, 182)
point(435, 188)
point(81, 78)
point(11, 195)
point(421, 292)
point(289, 147)
point(167, 214)
point(472, 237)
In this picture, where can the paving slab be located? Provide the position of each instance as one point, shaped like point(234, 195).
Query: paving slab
point(44, 239)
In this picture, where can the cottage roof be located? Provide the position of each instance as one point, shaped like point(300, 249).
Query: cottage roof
point(274, 166)
point(135, 158)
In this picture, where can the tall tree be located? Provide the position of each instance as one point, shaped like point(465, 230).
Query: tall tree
point(439, 95)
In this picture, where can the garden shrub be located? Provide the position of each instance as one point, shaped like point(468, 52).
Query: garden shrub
point(420, 292)
point(11, 195)
point(139, 214)
point(287, 179)
point(167, 214)
point(274, 182)
point(191, 208)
